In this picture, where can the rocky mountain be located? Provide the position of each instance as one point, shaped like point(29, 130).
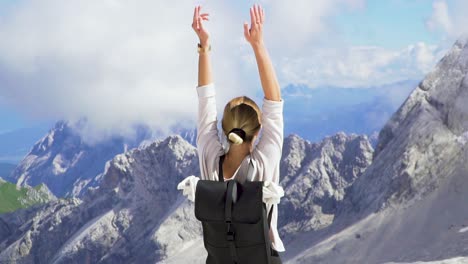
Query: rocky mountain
point(136, 214)
point(315, 177)
point(67, 164)
point(410, 204)
point(64, 162)
point(117, 219)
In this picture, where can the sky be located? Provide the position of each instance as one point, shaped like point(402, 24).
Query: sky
point(120, 63)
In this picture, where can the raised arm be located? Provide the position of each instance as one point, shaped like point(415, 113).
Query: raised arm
point(204, 64)
point(254, 36)
point(268, 151)
point(208, 144)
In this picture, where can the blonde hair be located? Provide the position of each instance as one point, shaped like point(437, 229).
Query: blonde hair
point(241, 113)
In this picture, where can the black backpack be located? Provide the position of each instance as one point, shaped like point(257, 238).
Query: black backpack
point(234, 221)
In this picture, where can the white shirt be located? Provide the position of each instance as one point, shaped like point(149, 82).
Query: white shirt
point(266, 155)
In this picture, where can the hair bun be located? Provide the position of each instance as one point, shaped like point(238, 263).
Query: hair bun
point(235, 138)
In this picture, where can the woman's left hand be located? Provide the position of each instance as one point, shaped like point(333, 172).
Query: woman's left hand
point(197, 25)
point(254, 35)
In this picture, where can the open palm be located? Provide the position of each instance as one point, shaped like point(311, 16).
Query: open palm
point(197, 25)
point(254, 35)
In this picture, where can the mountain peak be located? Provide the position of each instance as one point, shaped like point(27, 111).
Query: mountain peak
point(421, 140)
point(443, 93)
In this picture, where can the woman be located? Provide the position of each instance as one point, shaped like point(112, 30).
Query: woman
point(242, 119)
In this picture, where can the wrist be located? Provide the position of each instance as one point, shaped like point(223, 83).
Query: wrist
point(258, 46)
point(203, 48)
point(205, 42)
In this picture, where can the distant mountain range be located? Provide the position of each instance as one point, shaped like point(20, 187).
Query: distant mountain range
point(316, 113)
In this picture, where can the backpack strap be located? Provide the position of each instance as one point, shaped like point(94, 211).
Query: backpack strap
point(227, 220)
point(269, 215)
point(220, 171)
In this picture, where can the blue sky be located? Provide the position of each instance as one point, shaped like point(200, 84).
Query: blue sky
point(388, 24)
point(101, 59)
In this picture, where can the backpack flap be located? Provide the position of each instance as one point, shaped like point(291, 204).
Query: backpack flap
point(210, 198)
point(248, 207)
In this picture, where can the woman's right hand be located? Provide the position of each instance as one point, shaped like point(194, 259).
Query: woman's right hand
point(197, 25)
point(254, 35)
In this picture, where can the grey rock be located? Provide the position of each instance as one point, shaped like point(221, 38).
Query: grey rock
point(116, 222)
point(315, 177)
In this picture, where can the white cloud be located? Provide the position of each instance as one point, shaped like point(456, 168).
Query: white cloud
point(115, 62)
point(299, 24)
point(439, 19)
point(360, 66)
point(450, 20)
point(119, 63)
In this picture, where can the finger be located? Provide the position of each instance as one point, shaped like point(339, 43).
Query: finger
point(200, 23)
point(246, 30)
point(198, 15)
point(262, 15)
point(204, 16)
point(194, 14)
point(252, 17)
point(257, 13)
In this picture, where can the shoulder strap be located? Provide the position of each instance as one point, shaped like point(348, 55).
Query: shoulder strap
point(220, 171)
point(250, 170)
point(269, 215)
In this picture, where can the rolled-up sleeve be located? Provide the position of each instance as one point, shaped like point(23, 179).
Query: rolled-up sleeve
point(208, 144)
point(269, 149)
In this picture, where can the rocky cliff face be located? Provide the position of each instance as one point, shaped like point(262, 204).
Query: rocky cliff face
point(64, 162)
point(315, 177)
point(419, 146)
point(115, 222)
point(135, 214)
point(410, 203)
point(68, 165)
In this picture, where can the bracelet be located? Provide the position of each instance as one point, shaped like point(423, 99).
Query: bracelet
point(201, 49)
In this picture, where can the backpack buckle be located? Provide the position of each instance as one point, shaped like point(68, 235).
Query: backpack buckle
point(230, 236)
point(229, 233)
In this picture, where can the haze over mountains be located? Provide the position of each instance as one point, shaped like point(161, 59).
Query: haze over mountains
point(322, 110)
